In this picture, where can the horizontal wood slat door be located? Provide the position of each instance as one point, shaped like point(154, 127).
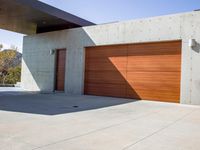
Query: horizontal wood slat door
point(148, 71)
point(153, 71)
point(102, 77)
point(60, 69)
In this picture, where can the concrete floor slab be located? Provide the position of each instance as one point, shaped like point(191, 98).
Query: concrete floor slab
point(7, 143)
point(182, 135)
point(51, 122)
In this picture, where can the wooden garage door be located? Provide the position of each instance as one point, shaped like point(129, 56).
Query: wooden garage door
point(148, 71)
point(60, 69)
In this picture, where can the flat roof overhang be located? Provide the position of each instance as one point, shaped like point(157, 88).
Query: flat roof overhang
point(32, 16)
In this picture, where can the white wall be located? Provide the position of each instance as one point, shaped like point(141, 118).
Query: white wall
point(38, 64)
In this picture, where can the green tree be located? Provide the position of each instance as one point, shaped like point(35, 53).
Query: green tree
point(13, 75)
point(6, 60)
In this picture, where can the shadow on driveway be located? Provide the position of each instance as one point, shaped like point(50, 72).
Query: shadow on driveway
point(54, 104)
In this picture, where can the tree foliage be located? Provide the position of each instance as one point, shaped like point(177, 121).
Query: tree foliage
point(13, 75)
point(6, 59)
point(9, 73)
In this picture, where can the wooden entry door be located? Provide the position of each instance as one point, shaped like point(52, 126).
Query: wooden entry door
point(60, 69)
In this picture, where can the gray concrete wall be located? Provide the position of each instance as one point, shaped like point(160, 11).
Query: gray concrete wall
point(38, 64)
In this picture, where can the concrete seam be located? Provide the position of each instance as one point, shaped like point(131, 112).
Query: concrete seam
point(97, 130)
point(165, 127)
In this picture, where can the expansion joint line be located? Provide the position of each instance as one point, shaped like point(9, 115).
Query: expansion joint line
point(165, 127)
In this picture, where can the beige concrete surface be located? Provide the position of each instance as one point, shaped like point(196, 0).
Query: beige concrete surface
point(60, 122)
point(38, 65)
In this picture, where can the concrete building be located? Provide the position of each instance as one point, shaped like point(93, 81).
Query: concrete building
point(155, 59)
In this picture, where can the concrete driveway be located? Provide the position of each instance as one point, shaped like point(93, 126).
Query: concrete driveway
point(59, 122)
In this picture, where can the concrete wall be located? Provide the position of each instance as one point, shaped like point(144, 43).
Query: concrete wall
point(38, 64)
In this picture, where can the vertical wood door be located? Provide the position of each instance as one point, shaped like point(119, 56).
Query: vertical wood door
point(60, 69)
point(149, 71)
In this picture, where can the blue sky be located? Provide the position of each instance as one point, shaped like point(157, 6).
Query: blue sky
point(104, 11)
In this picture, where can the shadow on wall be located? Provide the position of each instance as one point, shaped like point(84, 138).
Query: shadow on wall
point(112, 80)
point(106, 72)
point(197, 48)
point(39, 65)
point(148, 71)
point(109, 79)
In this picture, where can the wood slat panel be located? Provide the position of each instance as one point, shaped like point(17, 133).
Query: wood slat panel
point(105, 52)
point(153, 77)
point(153, 95)
point(115, 90)
point(106, 64)
point(153, 71)
point(148, 71)
point(105, 71)
point(160, 63)
point(106, 77)
point(160, 48)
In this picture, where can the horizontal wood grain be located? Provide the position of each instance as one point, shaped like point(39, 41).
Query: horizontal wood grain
point(111, 51)
point(164, 63)
point(114, 90)
point(148, 71)
point(106, 64)
point(111, 77)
